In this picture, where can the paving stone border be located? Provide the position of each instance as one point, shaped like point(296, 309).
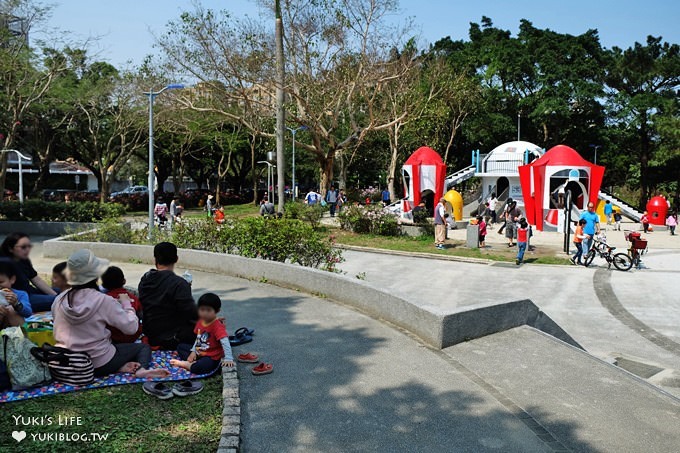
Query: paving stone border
point(230, 437)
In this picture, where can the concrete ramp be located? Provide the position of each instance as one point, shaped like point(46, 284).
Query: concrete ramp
point(584, 403)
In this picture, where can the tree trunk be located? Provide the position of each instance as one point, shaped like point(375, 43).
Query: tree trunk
point(44, 168)
point(394, 156)
point(104, 185)
point(327, 165)
point(176, 182)
point(342, 173)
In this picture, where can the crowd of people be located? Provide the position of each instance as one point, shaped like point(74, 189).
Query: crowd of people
point(94, 313)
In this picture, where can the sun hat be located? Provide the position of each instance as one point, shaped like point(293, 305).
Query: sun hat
point(83, 267)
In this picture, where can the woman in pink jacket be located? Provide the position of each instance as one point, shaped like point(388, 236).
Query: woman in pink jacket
point(82, 313)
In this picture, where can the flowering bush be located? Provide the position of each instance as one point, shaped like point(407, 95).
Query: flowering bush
point(372, 193)
point(372, 219)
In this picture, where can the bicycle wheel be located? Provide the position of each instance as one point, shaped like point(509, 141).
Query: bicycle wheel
point(622, 262)
point(590, 256)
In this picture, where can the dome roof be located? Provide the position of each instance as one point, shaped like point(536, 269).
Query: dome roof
point(424, 156)
point(514, 151)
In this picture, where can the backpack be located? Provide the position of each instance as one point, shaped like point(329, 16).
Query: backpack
point(68, 367)
point(24, 370)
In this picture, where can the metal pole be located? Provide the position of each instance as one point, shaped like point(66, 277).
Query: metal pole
point(294, 189)
point(518, 125)
point(151, 166)
point(21, 178)
point(280, 107)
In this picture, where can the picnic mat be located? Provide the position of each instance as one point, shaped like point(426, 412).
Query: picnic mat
point(159, 359)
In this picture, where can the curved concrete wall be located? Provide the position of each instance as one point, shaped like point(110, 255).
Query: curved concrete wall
point(439, 330)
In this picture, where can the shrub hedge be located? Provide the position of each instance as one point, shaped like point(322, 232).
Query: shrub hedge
point(50, 211)
point(283, 240)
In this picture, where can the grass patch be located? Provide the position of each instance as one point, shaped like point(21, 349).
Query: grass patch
point(134, 421)
point(424, 244)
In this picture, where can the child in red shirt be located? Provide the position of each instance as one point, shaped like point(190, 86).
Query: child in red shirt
point(113, 282)
point(522, 239)
point(482, 231)
point(212, 341)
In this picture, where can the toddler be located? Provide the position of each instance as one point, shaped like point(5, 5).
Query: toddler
point(14, 304)
point(113, 283)
point(522, 239)
point(212, 341)
point(482, 231)
point(59, 283)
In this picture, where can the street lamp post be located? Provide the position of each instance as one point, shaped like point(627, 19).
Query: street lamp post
point(519, 116)
point(20, 158)
point(595, 147)
point(270, 179)
point(152, 96)
point(294, 131)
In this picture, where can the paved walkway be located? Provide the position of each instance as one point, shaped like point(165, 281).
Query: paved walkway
point(345, 382)
point(566, 293)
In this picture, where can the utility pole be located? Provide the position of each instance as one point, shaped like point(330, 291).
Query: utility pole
point(280, 111)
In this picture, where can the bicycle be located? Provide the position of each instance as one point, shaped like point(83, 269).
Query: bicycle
point(621, 261)
point(638, 247)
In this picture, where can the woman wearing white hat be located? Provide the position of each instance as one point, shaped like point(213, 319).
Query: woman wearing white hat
point(82, 313)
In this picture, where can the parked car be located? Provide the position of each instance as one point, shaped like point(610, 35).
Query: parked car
point(133, 190)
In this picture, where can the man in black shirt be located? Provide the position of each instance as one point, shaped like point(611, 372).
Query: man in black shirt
point(169, 310)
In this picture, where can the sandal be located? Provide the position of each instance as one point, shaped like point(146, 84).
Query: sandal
point(262, 368)
point(248, 358)
point(241, 336)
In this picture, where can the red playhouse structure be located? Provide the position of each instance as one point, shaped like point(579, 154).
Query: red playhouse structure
point(423, 175)
point(657, 209)
point(550, 182)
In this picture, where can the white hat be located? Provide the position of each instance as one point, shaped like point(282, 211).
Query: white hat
point(83, 267)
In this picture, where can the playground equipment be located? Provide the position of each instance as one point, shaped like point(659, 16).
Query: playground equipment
point(657, 208)
point(423, 175)
point(455, 199)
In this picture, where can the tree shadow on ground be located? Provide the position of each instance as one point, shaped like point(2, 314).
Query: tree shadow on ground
point(345, 382)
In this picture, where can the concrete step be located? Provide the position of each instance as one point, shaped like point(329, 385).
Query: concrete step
point(583, 402)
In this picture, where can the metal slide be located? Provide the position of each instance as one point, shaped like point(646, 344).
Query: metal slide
point(626, 209)
point(459, 176)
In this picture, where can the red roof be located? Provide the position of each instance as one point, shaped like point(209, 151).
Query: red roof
point(424, 156)
point(561, 155)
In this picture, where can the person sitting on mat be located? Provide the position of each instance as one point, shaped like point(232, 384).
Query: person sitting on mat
point(113, 281)
point(59, 283)
point(82, 313)
point(169, 308)
point(14, 303)
point(212, 341)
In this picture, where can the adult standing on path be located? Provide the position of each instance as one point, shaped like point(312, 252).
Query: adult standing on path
point(512, 215)
point(16, 248)
point(440, 224)
point(493, 202)
point(332, 199)
point(168, 306)
point(591, 228)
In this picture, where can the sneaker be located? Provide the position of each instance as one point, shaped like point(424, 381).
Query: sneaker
point(157, 389)
point(573, 261)
point(517, 262)
point(187, 388)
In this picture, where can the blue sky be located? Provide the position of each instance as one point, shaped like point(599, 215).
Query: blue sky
point(125, 26)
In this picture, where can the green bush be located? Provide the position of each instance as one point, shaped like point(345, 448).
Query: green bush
point(50, 211)
point(283, 240)
point(301, 211)
point(372, 219)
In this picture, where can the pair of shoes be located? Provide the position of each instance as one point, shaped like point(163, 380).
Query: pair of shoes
point(248, 358)
point(262, 368)
point(164, 392)
point(241, 336)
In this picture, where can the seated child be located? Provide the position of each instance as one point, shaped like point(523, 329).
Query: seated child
point(113, 282)
point(14, 304)
point(212, 341)
point(58, 279)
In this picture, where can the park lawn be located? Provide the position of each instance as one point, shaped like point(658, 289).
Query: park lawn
point(135, 421)
point(424, 244)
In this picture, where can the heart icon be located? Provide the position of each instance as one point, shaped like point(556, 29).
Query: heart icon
point(19, 435)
